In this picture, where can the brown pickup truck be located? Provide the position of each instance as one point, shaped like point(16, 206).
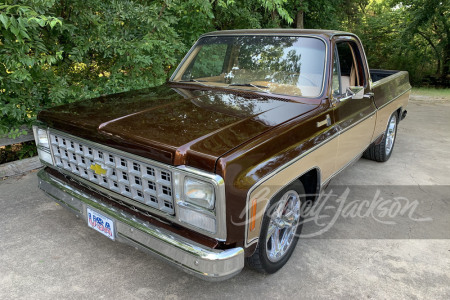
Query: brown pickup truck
point(209, 171)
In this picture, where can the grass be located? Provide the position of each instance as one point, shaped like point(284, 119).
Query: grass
point(431, 92)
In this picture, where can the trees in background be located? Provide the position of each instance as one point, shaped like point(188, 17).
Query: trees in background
point(410, 35)
point(429, 21)
point(54, 52)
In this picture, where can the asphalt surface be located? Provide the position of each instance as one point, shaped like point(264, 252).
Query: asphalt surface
point(45, 251)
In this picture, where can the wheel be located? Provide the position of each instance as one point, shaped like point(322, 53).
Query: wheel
point(280, 230)
point(383, 150)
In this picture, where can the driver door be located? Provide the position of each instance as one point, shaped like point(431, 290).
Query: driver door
point(355, 115)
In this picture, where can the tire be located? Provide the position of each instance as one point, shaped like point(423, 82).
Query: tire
point(268, 258)
point(382, 152)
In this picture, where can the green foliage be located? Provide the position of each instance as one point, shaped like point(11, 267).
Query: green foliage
point(408, 35)
point(27, 150)
point(54, 52)
point(17, 151)
point(209, 61)
point(429, 21)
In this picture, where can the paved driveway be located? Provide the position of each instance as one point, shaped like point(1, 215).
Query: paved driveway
point(45, 251)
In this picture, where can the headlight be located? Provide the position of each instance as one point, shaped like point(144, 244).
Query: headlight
point(199, 192)
point(42, 144)
point(197, 204)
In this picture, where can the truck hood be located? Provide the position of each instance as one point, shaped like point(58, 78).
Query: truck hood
point(179, 126)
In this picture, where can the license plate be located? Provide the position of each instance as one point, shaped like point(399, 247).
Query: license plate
point(100, 223)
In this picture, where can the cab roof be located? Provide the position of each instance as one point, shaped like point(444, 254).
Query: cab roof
point(317, 32)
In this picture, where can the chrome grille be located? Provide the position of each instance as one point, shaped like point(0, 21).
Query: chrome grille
point(145, 183)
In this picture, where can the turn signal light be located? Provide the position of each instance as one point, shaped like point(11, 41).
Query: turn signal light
point(253, 215)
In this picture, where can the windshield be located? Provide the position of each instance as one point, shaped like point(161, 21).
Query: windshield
point(284, 65)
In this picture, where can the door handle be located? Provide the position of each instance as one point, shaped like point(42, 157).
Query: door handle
point(327, 121)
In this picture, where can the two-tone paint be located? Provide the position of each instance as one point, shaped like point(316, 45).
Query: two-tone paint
point(257, 142)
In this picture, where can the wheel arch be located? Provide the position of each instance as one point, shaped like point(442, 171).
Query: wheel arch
point(311, 181)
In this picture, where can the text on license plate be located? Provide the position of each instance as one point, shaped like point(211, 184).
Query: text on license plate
point(100, 223)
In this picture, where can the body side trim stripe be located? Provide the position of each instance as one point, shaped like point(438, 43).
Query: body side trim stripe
point(393, 99)
point(276, 171)
point(284, 166)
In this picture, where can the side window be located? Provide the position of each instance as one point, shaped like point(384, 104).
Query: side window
point(350, 66)
point(208, 63)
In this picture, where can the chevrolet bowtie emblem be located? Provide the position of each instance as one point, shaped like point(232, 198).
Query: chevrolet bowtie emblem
point(97, 169)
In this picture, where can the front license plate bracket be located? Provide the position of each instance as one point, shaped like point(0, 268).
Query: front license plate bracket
point(100, 223)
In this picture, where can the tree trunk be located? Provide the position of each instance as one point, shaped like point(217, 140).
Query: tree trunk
point(299, 24)
point(438, 57)
point(446, 68)
point(274, 15)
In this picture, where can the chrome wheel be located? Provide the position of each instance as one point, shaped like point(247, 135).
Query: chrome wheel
point(390, 134)
point(283, 225)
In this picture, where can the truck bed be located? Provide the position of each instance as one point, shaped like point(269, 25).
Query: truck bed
point(378, 74)
point(388, 85)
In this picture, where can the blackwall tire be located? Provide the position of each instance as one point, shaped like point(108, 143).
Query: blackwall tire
point(382, 152)
point(280, 230)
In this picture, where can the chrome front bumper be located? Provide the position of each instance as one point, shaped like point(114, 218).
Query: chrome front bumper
point(196, 259)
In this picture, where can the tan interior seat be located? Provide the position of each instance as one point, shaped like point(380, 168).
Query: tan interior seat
point(347, 81)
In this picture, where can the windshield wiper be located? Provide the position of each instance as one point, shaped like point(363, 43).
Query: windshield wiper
point(259, 87)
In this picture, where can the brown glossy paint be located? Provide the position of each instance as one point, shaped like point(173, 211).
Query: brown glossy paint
point(386, 89)
point(348, 112)
point(165, 124)
point(240, 135)
point(248, 164)
point(200, 128)
point(326, 34)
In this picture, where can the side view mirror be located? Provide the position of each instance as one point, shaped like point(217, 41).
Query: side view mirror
point(357, 92)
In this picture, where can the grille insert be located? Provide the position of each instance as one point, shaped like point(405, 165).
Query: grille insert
point(142, 182)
